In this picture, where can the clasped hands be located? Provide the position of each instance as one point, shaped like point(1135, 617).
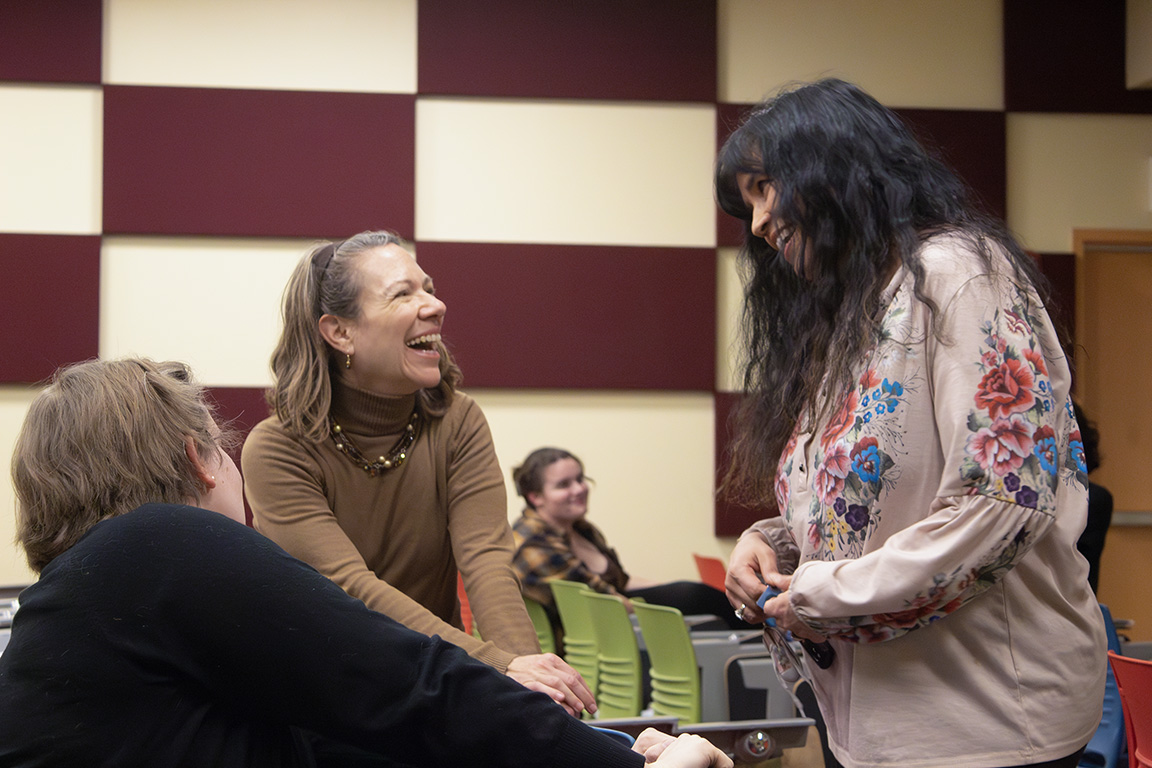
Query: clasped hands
point(683, 751)
point(752, 565)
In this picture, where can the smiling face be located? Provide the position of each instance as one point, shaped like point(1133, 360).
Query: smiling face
point(563, 496)
point(760, 197)
point(393, 341)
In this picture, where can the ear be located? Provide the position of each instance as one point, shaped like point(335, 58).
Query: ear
point(198, 466)
point(338, 333)
point(535, 499)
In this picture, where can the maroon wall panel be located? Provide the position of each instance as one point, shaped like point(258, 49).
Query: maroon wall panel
point(1068, 56)
point(578, 317)
point(730, 519)
point(49, 304)
point(1060, 269)
point(267, 163)
point(592, 49)
point(974, 144)
point(730, 231)
point(241, 408)
point(51, 41)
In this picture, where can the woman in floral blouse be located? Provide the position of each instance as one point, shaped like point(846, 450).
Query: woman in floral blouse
point(909, 414)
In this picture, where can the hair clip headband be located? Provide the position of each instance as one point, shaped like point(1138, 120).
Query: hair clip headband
point(323, 258)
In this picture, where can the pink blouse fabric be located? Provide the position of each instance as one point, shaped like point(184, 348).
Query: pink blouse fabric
point(934, 518)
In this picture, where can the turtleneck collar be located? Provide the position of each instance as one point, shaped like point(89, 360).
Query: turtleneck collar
point(364, 413)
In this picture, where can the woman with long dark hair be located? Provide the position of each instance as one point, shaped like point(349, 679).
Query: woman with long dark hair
point(907, 411)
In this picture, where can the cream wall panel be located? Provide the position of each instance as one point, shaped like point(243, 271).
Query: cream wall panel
point(1139, 44)
point(337, 45)
point(14, 402)
point(51, 159)
point(559, 172)
point(651, 455)
point(906, 53)
point(729, 303)
point(212, 303)
point(1077, 171)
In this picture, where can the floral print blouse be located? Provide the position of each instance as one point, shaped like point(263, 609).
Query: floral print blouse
point(954, 467)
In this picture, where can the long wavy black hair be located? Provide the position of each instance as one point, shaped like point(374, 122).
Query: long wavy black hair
point(861, 194)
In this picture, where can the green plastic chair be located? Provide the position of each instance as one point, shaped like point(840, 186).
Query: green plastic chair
point(619, 693)
point(542, 624)
point(581, 650)
point(675, 676)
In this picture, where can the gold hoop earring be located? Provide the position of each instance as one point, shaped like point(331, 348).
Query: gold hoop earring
point(347, 361)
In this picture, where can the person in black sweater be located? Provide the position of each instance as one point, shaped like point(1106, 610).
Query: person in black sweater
point(166, 634)
point(1091, 541)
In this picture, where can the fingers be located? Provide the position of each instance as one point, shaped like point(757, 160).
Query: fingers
point(752, 614)
point(573, 680)
point(548, 673)
point(649, 739)
point(780, 609)
point(753, 562)
point(552, 693)
point(688, 751)
point(652, 754)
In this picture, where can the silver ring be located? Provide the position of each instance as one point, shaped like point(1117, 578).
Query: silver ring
point(740, 611)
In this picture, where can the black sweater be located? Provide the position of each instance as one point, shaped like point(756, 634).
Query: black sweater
point(172, 636)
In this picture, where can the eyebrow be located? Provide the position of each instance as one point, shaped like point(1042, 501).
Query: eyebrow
point(407, 282)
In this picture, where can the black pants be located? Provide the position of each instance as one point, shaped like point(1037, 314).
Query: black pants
point(1071, 761)
point(692, 598)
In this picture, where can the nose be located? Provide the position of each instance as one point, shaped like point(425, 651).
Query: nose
point(433, 308)
point(761, 221)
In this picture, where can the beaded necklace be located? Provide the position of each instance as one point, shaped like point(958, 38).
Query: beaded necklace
point(392, 460)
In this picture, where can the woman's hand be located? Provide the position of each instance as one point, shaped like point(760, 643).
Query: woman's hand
point(780, 609)
point(684, 751)
point(751, 567)
point(548, 673)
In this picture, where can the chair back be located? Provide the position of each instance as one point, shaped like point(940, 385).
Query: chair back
point(1134, 679)
point(621, 674)
point(675, 675)
point(581, 650)
point(465, 607)
point(712, 571)
point(542, 624)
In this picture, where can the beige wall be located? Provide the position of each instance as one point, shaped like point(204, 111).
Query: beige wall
point(907, 53)
point(1069, 172)
point(1138, 50)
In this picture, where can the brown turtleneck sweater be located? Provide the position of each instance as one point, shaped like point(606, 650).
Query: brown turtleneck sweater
point(396, 540)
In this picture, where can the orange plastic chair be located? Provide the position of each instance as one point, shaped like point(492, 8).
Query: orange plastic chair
point(1134, 679)
point(465, 607)
point(712, 571)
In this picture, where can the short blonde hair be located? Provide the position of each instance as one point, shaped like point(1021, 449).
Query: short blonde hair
point(102, 439)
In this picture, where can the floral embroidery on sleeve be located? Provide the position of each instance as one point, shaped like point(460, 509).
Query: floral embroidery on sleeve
point(947, 593)
point(1012, 451)
point(853, 469)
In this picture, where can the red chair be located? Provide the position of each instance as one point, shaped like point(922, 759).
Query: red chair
point(1134, 679)
point(712, 571)
point(465, 608)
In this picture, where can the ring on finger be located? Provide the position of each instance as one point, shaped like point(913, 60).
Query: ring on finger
point(740, 611)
